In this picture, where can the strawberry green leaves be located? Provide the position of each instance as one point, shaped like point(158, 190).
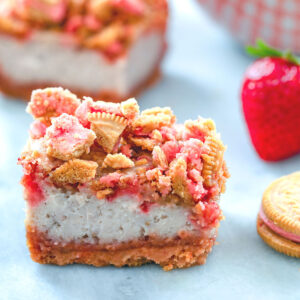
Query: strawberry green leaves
point(263, 50)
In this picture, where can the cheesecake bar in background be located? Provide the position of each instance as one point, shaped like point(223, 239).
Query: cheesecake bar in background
point(106, 49)
point(107, 184)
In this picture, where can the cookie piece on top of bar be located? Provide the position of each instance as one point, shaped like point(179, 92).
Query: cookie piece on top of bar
point(106, 49)
point(107, 184)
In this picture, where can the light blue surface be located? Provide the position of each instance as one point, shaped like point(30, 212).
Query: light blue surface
point(202, 76)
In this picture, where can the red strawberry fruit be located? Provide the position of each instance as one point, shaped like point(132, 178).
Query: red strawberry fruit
point(271, 102)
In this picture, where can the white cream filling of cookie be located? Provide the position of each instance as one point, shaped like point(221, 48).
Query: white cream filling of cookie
point(81, 217)
point(49, 58)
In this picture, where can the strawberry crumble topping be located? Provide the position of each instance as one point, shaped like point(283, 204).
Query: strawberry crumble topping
point(67, 138)
point(52, 102)
point(37, 129)
point(112, 148)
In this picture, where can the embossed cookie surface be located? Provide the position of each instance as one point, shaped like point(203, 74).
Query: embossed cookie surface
point(278, 222)
point(281, 202)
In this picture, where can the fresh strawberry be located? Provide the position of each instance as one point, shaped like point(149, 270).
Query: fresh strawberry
point(271, 102)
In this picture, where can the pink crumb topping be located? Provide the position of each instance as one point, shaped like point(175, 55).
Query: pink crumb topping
point(126, 150)
point(55, 101)
point(165, 185)
point(114, 48)
point(196, 189)
point(288, 235)
point(89, 106)
point(134, 7)
point(74, 23)
point(108, 107)
point(168, 133)
point(170, 149)
point(66, 134)
point(37, 129)
point(195, 175)
point(139, 131)
point(28, 166)
point(82, 111)
point(191, 151)
point(92, 23)
point(111, 179)
point(33, 191)
point(195, 132)
point(152, 174)
point(77, 21)
point(209, 213)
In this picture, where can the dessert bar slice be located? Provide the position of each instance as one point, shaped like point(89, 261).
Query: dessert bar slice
point(107, 49)
point(107, 184)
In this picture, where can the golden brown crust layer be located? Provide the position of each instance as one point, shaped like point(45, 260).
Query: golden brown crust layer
point(277, 242)
point(169, 253)
point(23, 91)
point(281, 202)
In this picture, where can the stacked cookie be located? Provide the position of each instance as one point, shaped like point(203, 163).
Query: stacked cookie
point(278, 222)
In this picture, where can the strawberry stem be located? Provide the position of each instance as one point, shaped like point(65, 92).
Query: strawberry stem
point(263, 50)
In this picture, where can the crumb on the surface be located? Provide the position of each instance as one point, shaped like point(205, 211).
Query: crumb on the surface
point(118, 161)
point(74, 171)
point(66, 138)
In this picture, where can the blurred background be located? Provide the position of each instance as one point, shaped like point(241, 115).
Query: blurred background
point(277, 22)
point(202, 75)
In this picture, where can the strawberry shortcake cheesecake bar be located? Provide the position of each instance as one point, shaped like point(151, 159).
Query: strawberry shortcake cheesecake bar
point(107, 184)
point(106, 49)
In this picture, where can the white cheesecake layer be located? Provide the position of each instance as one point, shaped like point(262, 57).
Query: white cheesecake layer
point(78, 216)
point(51, 58)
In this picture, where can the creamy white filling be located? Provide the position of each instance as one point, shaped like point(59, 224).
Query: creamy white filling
point(49, 58)
point(76, 216)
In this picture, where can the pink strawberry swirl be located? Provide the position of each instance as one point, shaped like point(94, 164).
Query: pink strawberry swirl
point(288, 235)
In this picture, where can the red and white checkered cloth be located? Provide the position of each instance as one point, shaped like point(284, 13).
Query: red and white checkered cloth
point(277, 22)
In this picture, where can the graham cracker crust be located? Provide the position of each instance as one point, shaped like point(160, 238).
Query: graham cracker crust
point(13, 89)
point(168, 253)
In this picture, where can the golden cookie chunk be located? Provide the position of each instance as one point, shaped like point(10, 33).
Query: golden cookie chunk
point(159, 158)
point(118, 161)
point(213, 161)
point(155, 118)
point(281, 203)
point(74, 171)
point(108, 129)
point(130, 108)
point(178, 174)
point(144, 143)
point(276, 241)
